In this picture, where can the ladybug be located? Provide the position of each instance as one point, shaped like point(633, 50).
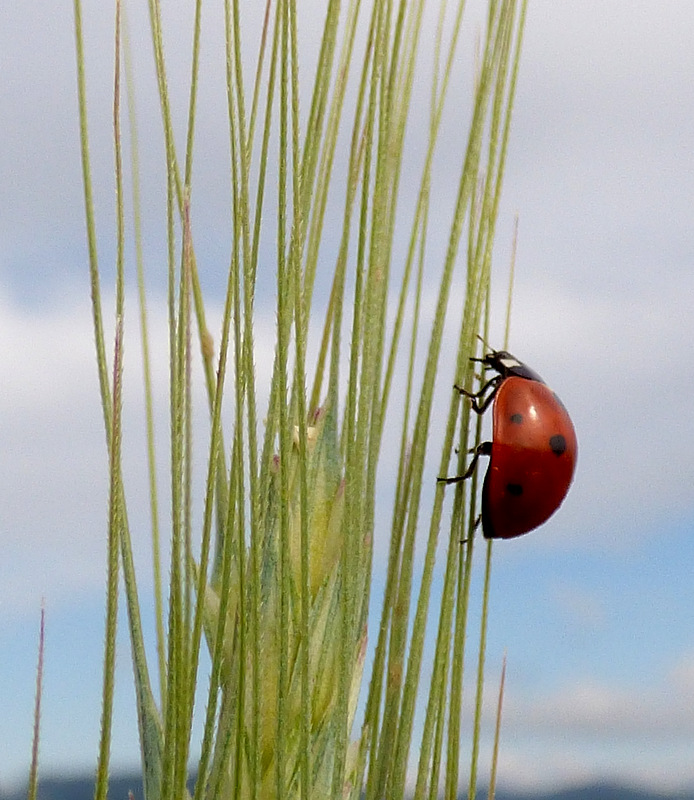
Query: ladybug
point(532, 455)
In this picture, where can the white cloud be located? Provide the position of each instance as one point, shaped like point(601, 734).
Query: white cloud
point(52, 470)
point(592, 730)
point(586, 731)
point(589, 732)
point(600, 710)
point(46, 357)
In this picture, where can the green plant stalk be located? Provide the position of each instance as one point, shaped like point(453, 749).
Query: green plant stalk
point(396, 148)
point(246, 261)
point(175, 665)
point(334, 118)
point(235, 507)
point(172, 170)
point(314, 125)
point(282, 588)
point(146, 360)
point(227, 595)
point(252, 259)
point(497, 732)
point(258, 75)
point(457, 590)
point(188, 173)
point(250, 271)
point(334, 317)
point(438, 751)
point(371, 717)
point(32, 789)
point(227, 549)
point(115, 487)
point(148, 720)
point(101, 784)
point(354, 450)
point(94, 280)
point(476, 290)
point(472, 788)
point(299, 392)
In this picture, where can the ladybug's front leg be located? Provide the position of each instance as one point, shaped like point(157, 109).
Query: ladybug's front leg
point(480, 403)
point(483, 449)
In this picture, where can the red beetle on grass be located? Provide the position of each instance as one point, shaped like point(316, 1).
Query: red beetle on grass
point(532, 455)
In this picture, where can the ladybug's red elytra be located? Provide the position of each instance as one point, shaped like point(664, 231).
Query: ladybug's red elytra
point(532, 455)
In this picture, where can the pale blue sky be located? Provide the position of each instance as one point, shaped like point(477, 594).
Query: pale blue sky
point(595, 608)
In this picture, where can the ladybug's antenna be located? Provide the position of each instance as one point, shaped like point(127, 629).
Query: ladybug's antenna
point(484, 342)
point(483, 360)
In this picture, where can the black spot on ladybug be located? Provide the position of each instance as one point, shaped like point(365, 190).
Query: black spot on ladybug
point(558, 444)
point(516, 419)
point(514, 489)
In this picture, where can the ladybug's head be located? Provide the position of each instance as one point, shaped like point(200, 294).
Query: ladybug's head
point(507, 364)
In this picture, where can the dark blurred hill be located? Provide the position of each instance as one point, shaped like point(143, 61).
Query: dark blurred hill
point(121, 785)
point(598, 791)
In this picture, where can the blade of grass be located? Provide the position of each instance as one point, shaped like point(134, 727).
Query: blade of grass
point(355, 425)
point(94, 279)
point(472, 788)
point(101, 785)
point(146, 359)
point(299, 393)
point(115, 488)
point(285, 441)
point(497, 732)
point(32, 790)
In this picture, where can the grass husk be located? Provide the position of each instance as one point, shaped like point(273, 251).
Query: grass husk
point(275, 577)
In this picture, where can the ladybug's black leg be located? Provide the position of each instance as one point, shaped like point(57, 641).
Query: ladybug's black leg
point(483, 449)
point(475, 526)
point(480, 403)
